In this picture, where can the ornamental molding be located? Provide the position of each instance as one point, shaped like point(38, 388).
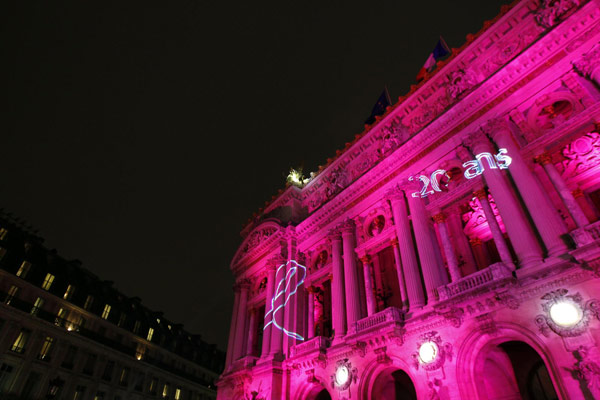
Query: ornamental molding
point(352, 375)
point(551, 12)
point(257, 243)
point(589, 309)
point(444, 352)
point(523, 69)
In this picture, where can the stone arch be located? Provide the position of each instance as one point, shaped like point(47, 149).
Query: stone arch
point(376, 372)
point(311, 388)
point(478, 343)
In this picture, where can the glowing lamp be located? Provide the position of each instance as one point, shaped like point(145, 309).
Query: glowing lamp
point(565, 314)
point(428, 352)
point(342, 375)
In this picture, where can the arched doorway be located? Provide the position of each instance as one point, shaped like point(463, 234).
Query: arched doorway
point(394, 385)
point(323, 395)
point(513, 370)
point(318, 393)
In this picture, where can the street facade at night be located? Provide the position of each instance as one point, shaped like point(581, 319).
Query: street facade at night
point(452, 249)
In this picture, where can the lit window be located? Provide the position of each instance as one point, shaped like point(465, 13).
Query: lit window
point(79, 393)
point(106, 311)
point(150, 333)
point(177, 394)
point(99, 396)
point(60, 317)
point(20, 342)
point(48, 281)
point(24, 269)
point(122, 319)
point(69, 292)
point(39, 302)
point(12, 292)
point(165, 392)
point(46, 347)
point(3, 233)
point(2, 252)
point(124, 376)
point(88, 302)
point(153, 383)
point(136, 327)
point(139, 352)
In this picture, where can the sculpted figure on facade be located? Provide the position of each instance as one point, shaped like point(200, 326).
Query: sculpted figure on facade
point(588, 370)
point(551, 12)
point(459, 82)
point(589, 63)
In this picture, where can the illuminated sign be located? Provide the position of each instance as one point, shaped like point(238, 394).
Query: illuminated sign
point(473, 168)
point(283, 289)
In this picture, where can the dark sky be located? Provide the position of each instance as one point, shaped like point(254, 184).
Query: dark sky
point(138, 137)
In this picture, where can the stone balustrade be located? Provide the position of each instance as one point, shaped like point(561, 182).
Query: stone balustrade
point(318, 343)
point(389, 315)
point(476, 280)
point(586, 234)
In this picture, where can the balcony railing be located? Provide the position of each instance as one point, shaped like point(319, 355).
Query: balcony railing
point(318, 343)
point(494, 272)
point(389, 315)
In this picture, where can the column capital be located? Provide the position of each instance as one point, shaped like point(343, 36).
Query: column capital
point(588, 62)
point(366, 260)
point(496, 127)
point(334, 234)
point(543, 158)
point(577, 193)
point(475, 241)
point(329, 277)
point(311, 289)
point(480, 193)
point(394, 241)
point(348, 227)
point(477, 142)
point(439, 218)
point(241, 285)
point(463, 153)
point(394, 193)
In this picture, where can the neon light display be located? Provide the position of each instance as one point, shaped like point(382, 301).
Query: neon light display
point(473, 168)
point(283, 289)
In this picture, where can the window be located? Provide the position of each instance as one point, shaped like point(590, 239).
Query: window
point(48, 281)
point(69, 359)
point(136, 327)
point(122, 319)
point(88, 369)
point(88, 302)
point(124, 376)
point(61, 317)
point(69, 292)
point(106, 311)
point(108, 370)
point(12, 292)
point(178, 394)
point(79, 393)
point(165, 392)
point(45, 350)
point(139, 352)
point(80, 322)
point(39, 302)
point(99, 396)
point(24, 269)
point(3, 233)
point(2, 252)
point(150, 333)
point(20, 342)
point(153, 384)
point(5, 377)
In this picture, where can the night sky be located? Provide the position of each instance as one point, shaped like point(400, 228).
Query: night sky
point(139, 137)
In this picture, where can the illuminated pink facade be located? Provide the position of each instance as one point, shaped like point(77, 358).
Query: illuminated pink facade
point(452, 250)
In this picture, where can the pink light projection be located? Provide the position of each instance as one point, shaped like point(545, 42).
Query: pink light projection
point(283, 288)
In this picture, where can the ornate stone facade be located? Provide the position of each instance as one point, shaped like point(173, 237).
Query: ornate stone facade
point(452, 249)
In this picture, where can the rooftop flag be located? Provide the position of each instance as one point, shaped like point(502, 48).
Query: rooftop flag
point(440, 50)
point(379, 108)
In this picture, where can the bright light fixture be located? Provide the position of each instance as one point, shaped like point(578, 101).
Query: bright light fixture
point(428, 352)
point(341, 375)
point(565, 314)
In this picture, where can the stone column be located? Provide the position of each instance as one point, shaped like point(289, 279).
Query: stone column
point(240, 326)
point(338, 300)
point(369, 288)
point(440, 220)
point(588, 65)
point(232, 330)
point(579, 196)
point(267, 325)
point(251, 333)
point(497, 235)
point(353, 311)
point(466, 262)
point(519, 232)
point(399, 273)
point(546, 218)
point(433, 273)
point(545, 160)
point(311, 312)
point(479, 252)
point(410, 266)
